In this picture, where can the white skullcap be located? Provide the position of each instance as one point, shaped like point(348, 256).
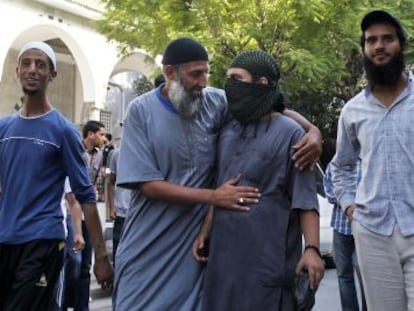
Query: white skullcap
point(39, 45)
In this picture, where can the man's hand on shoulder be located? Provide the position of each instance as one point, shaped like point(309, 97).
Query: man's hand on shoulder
point(308, 150)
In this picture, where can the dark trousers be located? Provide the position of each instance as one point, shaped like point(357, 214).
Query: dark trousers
point(346, 264)
point(84, 283)
point(66, 289)
point(76, 276)
point(116, 235)
point(28, 274)
point(72, 268)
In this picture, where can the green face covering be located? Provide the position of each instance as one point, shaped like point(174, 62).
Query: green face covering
point(248, 102)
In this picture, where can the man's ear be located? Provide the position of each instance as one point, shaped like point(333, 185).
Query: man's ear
point(170, 72)
point(90, 133)
point(52, 75)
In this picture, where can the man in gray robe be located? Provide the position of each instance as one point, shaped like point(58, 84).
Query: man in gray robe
point(254, 255)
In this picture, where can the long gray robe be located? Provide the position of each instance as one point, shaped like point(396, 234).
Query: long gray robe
point(253, 254)
point(155, 269)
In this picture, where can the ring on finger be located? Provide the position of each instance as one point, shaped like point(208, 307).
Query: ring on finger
point(241, 200)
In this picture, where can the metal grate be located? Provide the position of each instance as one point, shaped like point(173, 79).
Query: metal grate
point(106, 118)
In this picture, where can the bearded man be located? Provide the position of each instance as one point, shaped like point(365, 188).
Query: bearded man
point(167, 157)
point(377, 126)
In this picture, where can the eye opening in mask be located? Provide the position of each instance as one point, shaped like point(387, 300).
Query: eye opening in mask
point(270, 83)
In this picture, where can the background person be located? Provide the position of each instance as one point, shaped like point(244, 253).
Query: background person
point(74, 245)
point(344, 249)
point(107, 149)
point(103, 178)
point(159, 80)
point(93, 133)
point(118, 199)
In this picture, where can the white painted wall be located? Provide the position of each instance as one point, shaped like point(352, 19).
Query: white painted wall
point(82, 78)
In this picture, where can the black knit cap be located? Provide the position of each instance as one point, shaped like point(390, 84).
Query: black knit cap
point(258, 63)
point(380, 16)
point(184, 50)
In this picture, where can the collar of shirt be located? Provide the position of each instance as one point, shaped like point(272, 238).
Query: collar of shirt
point(92, 151)
point(405, 92)
point(167, 104)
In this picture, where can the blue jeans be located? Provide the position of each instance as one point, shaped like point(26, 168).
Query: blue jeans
point(66, 289)
point(72, 269)
point(84, 281)
point(346, 262)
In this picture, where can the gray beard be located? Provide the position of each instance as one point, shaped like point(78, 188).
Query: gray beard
point(186, 105)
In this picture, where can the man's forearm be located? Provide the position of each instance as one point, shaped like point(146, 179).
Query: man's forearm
point(309, 148)
point(309, 223)
point(228, 195)
point(165, 191)
point(93, 224)
point(345, 182)
point(344, 164)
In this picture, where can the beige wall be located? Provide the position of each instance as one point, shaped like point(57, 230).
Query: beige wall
point(10, 90)
point(80, 89)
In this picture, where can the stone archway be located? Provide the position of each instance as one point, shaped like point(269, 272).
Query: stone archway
point(121, 86)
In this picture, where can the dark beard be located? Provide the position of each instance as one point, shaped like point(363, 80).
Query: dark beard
point(384, 75)
point(29, 92)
